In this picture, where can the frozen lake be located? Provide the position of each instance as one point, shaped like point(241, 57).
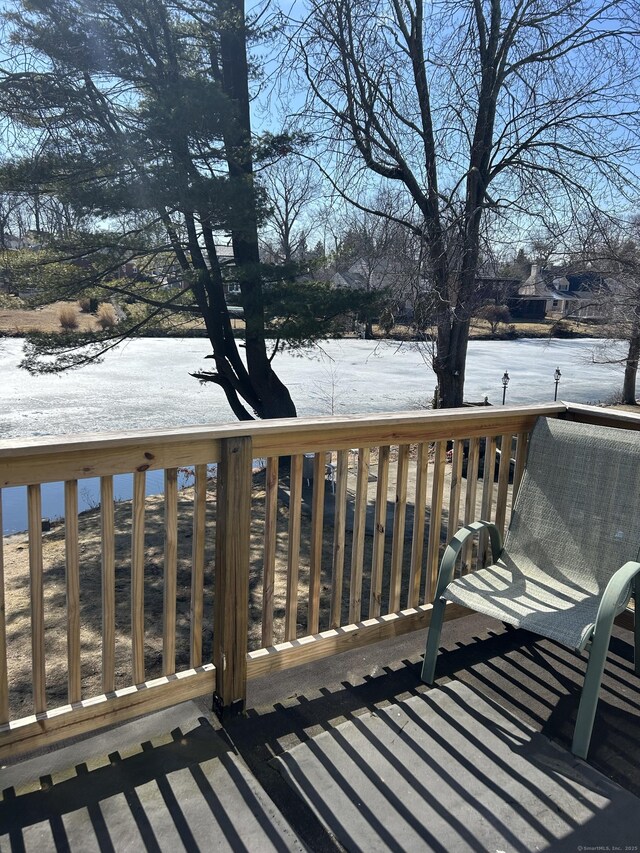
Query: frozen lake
point(145, 384)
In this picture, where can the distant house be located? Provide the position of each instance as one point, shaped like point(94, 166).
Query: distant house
point(168, 274)
point(493, 288)
point(231, 288)
point(403, 280)
point(409, 285)
point(354, 280)
point(364, 275)
point(128, 270)
point(555, 293)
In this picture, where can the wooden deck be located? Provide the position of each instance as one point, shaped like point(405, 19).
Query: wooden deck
point(307, 611)
point(164, 782)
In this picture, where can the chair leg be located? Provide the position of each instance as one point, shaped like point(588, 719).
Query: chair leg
point(636, 626)
point(628, 573)
point(433, 641)
point(590, 693)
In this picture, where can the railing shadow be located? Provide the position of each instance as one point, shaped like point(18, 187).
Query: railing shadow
point(443, 774)
point(536, 681)
point(188, 791)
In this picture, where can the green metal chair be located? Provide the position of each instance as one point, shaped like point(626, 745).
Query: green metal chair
point(569, 563)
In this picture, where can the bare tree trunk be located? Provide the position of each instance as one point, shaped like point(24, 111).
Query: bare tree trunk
point(450, 360)
point(273, 398)
point(631, 369)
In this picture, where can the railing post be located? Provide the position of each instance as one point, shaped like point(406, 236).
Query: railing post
point(231, 590)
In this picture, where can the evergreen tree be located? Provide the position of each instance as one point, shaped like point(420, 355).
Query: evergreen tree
point(135, 114)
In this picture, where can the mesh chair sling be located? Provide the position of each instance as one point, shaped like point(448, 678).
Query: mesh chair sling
point(570, 557)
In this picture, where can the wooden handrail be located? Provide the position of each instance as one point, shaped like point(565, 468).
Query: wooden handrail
point(604, 417)
point(49, 459)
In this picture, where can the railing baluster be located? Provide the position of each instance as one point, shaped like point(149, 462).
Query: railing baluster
point(293, 552)
point(379, 530)
point(435, 519)
point(108, 584)
point(417, 545)
point(399, 517)
point(342, 472)
point(34, 509)
point(453, 521)
point(4, 675)
point(317, 528)
point(197, 563)
point(170, 571)
point(359, 525)
point(470, 511)
point(137, 578)
point(73, 589)
point(487, 495)
point(270, 539)
point(503, 481)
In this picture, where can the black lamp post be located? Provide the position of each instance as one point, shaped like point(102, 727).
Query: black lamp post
point(505, 382)
point(556, 377)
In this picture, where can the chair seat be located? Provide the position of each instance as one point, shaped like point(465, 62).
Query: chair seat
point(529, 597)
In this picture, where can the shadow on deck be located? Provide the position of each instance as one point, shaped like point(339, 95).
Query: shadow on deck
point(354, 752)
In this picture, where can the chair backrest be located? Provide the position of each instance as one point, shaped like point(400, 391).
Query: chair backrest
point(577, 513)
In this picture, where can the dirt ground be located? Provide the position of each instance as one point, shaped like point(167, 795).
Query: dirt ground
point(17, 593)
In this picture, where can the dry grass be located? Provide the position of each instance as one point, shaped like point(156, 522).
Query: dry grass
point(68, 316)
point(16, 321)
point(19, 321)
point(106, 316)
point(481, 329)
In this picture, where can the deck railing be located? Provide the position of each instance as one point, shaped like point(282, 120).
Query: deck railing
point(284, 542)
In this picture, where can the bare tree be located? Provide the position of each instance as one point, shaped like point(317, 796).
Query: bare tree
point(292, 186)
point(628, 323)
point(613, 250)
point(380, 255)
point(514, 109)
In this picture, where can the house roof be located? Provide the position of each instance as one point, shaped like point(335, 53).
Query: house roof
point(555, 283)
point(351, 279)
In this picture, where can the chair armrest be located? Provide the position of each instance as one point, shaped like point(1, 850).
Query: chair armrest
point(450, 555)
point(609, 603)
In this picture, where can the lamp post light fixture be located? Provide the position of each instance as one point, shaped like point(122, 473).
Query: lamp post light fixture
point(556, 377)
point(505, 382)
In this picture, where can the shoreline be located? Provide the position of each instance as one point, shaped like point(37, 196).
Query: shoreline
point(17, 322)
point(475, 335)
